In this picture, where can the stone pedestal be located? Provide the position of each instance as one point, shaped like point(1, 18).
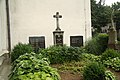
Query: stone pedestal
point(58, 37)
point(112, 42)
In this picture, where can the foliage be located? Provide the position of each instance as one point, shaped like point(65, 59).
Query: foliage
point(100, 15)
point(91, 57)
point(61, 54)
point(19, 50)
point(109, 75)
point(94, 71)
point(78, 66)
point(98, 44)
point(33, 67)
point(116, 7)
point(113, 63)
point(109, 53)
point(73, 67)
point(111, 59)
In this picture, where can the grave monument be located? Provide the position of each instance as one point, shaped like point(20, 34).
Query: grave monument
point(58, 34)
point(112, 42)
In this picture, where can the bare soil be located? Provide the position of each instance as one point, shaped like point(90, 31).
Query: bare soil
point(117, 74)
point(66, 75)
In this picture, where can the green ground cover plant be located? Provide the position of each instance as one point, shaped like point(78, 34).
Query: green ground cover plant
point(91, 57)
point(73, 67)
point(113, 63)
point(61, 54)
point(31, 66)
point(111, 59)
point(109, 54)
point(19, 50)
point(109, 75)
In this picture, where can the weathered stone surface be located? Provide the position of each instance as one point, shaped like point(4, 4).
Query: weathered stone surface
point(112, 38)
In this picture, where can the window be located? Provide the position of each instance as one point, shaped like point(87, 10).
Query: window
point(37, 42)
point(76, 41)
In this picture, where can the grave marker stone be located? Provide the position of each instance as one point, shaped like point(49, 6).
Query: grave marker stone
point(58, 34)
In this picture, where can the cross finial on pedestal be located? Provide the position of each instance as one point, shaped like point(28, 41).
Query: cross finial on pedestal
point(57, 16)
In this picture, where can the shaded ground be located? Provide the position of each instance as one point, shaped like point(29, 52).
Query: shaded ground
point(5, 70)
point(66, 75)
point(117, 74)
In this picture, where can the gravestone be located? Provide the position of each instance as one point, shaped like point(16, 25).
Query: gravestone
point(112, 42)
point(58, 34)
point(76, 41)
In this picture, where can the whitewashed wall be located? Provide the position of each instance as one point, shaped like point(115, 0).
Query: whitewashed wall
point(3, 27)
point(35, 17)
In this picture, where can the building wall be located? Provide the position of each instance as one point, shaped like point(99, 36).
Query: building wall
point(3, 27)
point(35, 18)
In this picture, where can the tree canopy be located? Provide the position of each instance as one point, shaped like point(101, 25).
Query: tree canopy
point(116, 7)
point(101, 14)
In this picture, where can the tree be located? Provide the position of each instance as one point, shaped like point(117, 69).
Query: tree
point(116, 7)
point(100, 15)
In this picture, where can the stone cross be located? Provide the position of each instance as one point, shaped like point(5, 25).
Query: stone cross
point(57, 16)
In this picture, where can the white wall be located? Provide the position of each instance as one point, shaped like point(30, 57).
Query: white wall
point(35, 17)
point(3, 27)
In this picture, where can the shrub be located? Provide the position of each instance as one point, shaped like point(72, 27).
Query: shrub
point(20, 49)
point(33, 67)
point(94, 71)
point(61, 54)
point(102, 39)
point(113, 63)
point(90, 57)
point(109, 75)
point(98, 44)
point(109, 53)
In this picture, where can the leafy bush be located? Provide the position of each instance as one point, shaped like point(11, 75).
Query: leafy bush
point(98, 44)
point(33, 67)
point(61, 54)
point(113, 63)
point(111, 59)
point(109, 53)
point(109, 75)
point(94, 71)
point(91, 57)
point(20, 49)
